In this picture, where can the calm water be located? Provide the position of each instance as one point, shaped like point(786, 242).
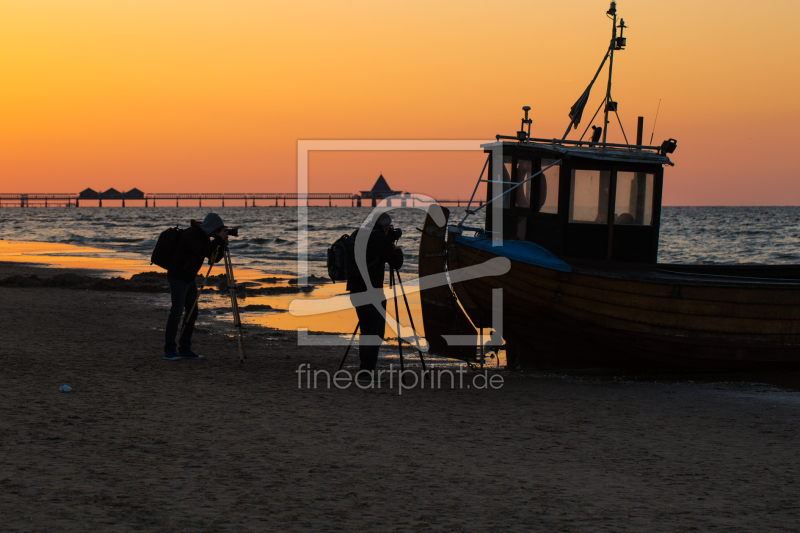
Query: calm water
point(268, 235)
point(727, 235)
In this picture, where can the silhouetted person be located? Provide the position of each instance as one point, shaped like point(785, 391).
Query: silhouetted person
point(194, 247)
point(596, 133)
point(380, 250)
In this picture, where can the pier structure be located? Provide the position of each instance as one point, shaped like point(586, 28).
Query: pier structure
point(247, 199)
point(188, 199)
point(380, 191)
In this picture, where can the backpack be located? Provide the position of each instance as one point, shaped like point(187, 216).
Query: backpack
point(165, 247)
point(342, 258)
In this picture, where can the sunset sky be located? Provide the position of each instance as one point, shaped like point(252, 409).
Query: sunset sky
point(212, 96)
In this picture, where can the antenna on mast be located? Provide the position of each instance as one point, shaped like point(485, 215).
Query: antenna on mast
point(522, 135)
point(654, 121)
point(617, 43)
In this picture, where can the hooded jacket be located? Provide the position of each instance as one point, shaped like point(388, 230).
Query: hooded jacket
point(194, 247)
point(379, 252)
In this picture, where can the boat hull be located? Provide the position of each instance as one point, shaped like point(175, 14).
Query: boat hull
point(441, 315)
point(634, 317)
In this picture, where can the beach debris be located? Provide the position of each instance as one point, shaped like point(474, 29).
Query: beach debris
point(311, 280)
point(249, 308)
point(152, 282)
point(22, 281)
point(143, 282)
point(65, 388)
point(256, 307)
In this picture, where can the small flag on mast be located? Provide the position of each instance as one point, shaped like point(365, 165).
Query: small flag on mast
point(576, 112)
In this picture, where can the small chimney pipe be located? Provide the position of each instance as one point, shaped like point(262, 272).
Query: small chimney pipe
point(639, 131)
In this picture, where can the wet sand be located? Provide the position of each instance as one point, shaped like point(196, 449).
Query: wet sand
point(147, 444)
point(277, 295)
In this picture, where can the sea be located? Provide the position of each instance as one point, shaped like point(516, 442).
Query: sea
point(268, 236)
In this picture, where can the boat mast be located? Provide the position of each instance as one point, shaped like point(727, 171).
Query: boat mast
point(613, 12)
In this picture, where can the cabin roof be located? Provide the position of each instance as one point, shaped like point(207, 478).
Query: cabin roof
point(624, 155)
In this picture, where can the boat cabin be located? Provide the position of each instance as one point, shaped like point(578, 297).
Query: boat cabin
point(593, 202)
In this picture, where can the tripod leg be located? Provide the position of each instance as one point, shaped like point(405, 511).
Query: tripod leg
point(199, 292)
point(349, 346)
point(397, 320)
point(240, 328)
point(411, 319)
point(237, 321)
point(480, 340)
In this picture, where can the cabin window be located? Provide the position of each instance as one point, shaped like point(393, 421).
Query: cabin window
point(634, 202)
point(547, 183)
point(588, 201)
point(522, 194)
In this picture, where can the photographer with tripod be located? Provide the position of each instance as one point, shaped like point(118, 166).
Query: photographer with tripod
point(380, 251)
point(196, 244)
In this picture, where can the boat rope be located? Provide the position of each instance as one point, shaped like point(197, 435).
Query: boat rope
point(558, 162)
point(654, 122)
point(588, 89)
point(592, 121)
point(476, 253)
point(620, 125)
point(478, 231)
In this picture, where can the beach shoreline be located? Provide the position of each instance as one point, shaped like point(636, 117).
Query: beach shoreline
point(270, 297)
point(144, 443)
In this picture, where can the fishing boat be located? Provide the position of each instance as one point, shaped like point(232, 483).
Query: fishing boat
point(576, 223)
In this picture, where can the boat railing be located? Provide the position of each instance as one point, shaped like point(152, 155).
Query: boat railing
point(582, 143)
point(477, 184)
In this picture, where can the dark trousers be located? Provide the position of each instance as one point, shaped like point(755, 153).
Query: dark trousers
point(371, 322)
point(183, 296)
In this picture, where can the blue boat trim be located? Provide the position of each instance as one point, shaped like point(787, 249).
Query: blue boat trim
point(522, 251)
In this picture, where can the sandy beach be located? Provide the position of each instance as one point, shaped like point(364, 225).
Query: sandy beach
point(141, 443)
point(590, 279)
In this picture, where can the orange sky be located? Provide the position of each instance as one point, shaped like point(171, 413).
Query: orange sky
point(208, 96)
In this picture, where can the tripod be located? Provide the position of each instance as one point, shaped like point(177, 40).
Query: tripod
point(237, 321)
point(393, 284)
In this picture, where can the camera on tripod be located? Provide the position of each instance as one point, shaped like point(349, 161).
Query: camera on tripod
point(394, 233)
point(232, 232)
